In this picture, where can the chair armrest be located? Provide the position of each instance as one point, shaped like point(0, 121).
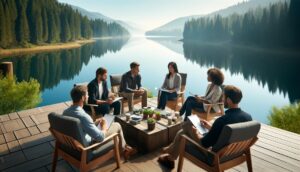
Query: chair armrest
point(106, 140)
point(212, 104)
point(201, 148)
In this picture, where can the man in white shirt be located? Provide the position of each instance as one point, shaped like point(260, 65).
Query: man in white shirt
point(100, 95)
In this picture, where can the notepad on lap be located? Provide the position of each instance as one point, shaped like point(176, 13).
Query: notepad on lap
point(109, 120)
point(196, 122)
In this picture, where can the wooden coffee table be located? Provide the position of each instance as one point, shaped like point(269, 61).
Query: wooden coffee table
point(140, 137)
point(172, 129)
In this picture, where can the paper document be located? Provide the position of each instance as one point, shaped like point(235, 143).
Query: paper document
point(165, 90)
point(117, 99)
point(196, 122)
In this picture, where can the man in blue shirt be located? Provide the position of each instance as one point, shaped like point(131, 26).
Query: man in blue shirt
point(92, 132)
point(231, 98)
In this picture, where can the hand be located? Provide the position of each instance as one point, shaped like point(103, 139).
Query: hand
point(102, 123)
point(205, 123)
point(197, 134)
point(109, 101)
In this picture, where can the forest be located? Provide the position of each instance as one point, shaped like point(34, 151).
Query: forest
point(36, 22)
point(275, 26)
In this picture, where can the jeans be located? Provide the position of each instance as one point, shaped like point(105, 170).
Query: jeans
point(164, 97)
point(190, 104)
point(105, 108)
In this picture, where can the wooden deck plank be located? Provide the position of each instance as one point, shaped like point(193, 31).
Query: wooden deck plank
point(26, 145)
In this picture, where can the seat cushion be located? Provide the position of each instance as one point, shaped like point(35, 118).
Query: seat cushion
point(92, 154)
point(194, 151)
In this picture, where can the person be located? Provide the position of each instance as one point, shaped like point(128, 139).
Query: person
point(172, 85)
point(100, 95)
point(91, 131)
point(213, 95)
point(231, 97)
point(131, 86)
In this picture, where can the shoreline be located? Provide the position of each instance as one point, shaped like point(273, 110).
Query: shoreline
point(43, 48)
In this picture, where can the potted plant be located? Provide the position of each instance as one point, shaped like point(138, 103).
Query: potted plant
point(145, 113)
point(157, 115)
point(151, 112)
point(151, 124)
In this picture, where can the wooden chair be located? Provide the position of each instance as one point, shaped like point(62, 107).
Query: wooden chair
point(210, 113)
point(72, 147)
point(231, 149)
point(89, 108)
point(115, 81)
point(173, 104)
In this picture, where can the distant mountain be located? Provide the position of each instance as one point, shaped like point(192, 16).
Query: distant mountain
point(131, 27)
point(175, 27)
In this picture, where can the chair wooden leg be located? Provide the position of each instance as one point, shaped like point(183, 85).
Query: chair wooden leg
point(249, 161)
point(181, 154)
point(55, 156)
point(83, 165)
point(117, 152)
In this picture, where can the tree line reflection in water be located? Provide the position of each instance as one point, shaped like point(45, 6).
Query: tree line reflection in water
point(50, 68)
point(276, 70)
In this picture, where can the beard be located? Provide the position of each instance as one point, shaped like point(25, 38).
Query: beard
point(226, 105)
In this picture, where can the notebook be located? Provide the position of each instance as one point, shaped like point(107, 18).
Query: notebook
point(109, 120)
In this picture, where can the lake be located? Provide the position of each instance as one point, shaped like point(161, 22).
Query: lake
point(267, 78)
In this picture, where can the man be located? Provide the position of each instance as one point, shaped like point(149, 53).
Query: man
point(99, 94)
point(91, 131)
point(131, 86)
point(231, 98)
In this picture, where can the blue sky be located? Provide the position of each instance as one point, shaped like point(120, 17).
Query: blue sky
point(150, 14)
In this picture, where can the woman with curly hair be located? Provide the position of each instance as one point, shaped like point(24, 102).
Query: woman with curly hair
point(212, 95)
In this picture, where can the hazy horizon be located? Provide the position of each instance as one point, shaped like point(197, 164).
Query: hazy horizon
point(151, 14)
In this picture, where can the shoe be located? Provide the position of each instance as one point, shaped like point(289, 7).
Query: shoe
point(164, 160)
point(128, 152)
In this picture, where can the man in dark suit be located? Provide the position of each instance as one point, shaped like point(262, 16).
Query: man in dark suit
point(99, 94)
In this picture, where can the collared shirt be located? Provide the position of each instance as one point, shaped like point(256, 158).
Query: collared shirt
point(130, 82)
point(100, 85)
point(90, 130)
point(233, 115)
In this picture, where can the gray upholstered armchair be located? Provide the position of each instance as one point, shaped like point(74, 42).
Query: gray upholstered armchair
point(115, 81)
point(231, 149)
point(72, 147)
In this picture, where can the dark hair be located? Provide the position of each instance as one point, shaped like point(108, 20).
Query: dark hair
point(78, 92)
point(234, 93)
point(216, 76)
point(174, 65)
point(100, 71)
point(133, 65)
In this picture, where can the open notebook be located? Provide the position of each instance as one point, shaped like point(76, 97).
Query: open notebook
point(196, 122)
point(109, 120)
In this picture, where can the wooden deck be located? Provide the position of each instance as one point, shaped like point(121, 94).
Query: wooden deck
point(27, 145)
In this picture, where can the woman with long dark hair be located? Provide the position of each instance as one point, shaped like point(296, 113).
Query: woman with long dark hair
point(170, 87)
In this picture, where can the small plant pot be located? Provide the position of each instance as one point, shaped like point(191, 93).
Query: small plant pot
point(158, 117)
point(151, 115)
point(145, 116)
point(151, 126)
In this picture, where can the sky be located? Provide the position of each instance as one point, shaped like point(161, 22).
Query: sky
point(149, 14)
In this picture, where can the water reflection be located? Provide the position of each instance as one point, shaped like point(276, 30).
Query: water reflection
point(52, 67)
point(279, 71)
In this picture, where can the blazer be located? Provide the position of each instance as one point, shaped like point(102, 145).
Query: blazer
point(93, 90)
point(177, 82)
point(213, 96)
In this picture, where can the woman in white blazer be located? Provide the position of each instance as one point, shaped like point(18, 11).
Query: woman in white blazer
point(212, 95)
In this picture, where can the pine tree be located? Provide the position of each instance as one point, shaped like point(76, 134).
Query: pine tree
point(22, 29)
point(3, 39)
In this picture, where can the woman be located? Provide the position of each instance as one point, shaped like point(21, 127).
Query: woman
point(213, 94)
point(170, 86)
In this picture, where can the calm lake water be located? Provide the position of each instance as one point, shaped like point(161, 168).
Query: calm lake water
point(266, 78)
